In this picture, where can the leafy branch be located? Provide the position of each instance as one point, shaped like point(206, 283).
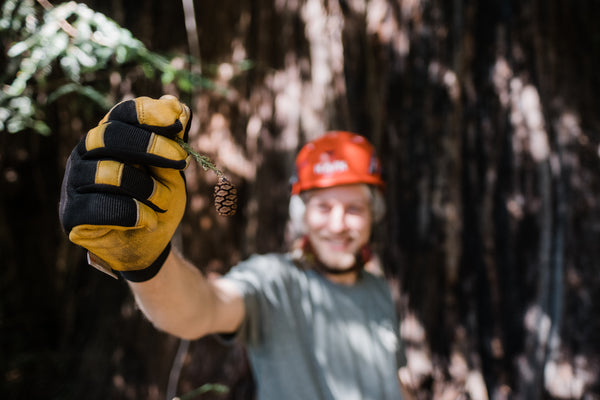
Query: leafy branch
point(58, 50)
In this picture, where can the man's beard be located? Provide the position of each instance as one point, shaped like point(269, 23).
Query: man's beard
point(337, 264)
point(308, 258)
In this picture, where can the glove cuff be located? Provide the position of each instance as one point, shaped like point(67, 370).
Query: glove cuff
point(142, 275)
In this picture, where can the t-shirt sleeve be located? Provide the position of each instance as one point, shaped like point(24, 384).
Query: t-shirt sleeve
point(261, 280)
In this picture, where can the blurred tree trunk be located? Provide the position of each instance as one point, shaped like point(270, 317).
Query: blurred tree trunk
point(484, 114)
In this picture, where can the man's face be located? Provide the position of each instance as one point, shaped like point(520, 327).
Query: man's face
point(338, 223)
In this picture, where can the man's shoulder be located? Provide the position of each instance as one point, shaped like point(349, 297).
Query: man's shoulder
point(373, 278)
point(268, 260)
point(263, 267)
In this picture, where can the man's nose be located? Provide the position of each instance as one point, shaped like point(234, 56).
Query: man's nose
point(337, 219)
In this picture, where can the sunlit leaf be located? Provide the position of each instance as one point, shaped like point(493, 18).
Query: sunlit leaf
point(41, 127)
point(167, 76)
point(23, 104)
point(17, 49)
point(17, 87)
point(58, 44)
point(149, 71)
point(84, 59)
point(185, 84)
point(70, 66)
point(15, 125)
point(121, 54)
point(4, 115)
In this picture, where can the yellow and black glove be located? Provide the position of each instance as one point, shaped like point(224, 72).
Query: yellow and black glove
point(123, 193)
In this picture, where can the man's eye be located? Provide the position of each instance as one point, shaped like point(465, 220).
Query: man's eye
point(356, 209)
point(323, 207)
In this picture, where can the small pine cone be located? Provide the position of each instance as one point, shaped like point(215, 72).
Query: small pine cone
point(225, 197)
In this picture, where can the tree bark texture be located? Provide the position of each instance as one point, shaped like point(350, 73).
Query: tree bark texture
point(484, 115)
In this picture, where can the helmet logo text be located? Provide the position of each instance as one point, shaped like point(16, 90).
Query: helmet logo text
point(330, 167)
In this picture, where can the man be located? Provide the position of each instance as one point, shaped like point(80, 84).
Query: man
point(315, 323)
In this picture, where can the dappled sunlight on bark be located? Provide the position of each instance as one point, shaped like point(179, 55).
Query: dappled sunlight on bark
point(485, 118)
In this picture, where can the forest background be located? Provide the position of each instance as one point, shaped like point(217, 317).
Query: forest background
point(484, 113)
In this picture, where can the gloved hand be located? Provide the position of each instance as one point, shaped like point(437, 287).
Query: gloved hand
point(123, 193)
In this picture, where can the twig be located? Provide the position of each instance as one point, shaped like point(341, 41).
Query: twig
point(176, 368)
point(204, 161)
point(226, 196)
point(65, 26)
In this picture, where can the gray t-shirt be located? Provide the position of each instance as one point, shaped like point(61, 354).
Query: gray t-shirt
point(309, 338)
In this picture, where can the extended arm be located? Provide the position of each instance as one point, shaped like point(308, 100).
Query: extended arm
point(182, 302)
point(123, 196)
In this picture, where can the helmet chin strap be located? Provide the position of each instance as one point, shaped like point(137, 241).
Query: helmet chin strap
point(338, 271)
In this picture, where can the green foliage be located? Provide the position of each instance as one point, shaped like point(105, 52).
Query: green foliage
point(207, 388)
point(61, 50)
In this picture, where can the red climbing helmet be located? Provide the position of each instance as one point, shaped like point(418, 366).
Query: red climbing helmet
point(336, 158)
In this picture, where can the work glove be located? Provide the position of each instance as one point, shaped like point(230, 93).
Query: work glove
point(123, 193)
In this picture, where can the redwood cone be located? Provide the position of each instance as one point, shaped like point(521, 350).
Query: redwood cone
point(225, 197)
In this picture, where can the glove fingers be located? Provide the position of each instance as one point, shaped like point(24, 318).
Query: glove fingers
point(109, 176)
point(165, 116)
point(121, 241)
point(132, 144)
point(108, 211)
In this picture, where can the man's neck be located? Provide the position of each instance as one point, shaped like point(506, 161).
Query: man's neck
point(346, 279)
point(347, 276)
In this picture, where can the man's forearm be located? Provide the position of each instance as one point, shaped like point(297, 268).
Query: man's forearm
point(181, 301)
